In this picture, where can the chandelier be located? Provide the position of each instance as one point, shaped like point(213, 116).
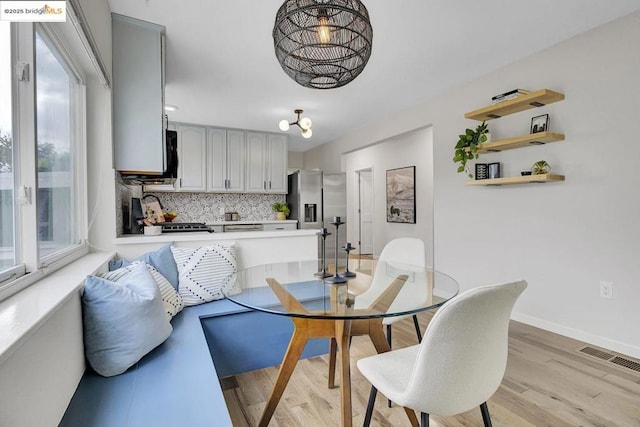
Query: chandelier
point(303, 123)
point(322, 44)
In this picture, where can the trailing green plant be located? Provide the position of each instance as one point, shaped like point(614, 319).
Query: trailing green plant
point(281, 207)
point(467, 146)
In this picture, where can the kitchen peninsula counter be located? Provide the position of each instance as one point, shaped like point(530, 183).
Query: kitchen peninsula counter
point(253, 247)
point(193, 236)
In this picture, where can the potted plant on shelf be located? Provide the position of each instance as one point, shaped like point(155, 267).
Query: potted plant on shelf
point(467, 147)
point(281, 209)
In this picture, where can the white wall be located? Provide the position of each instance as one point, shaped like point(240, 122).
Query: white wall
point(39, 380)
point(295, 160)
point(563, 238)
point(411, 149)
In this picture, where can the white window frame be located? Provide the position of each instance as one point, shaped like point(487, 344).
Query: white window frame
point(32, 268)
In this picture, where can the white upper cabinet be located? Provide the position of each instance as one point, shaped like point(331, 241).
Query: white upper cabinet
point(225, 160)
point(256, 162)
point(192, 158)
point(217, 160)
point(277, 165)
point(235, 160)
point(138, 95)
point(266, 164)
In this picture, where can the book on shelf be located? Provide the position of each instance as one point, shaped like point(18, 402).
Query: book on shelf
point(508, 95)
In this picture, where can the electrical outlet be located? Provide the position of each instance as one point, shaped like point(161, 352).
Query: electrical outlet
point(606, 290)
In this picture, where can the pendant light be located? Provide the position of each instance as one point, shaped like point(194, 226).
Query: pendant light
point(322, 44)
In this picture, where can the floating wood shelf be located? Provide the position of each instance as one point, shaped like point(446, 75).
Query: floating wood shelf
point(538, 98)
point(542, 178)
point(539, 138)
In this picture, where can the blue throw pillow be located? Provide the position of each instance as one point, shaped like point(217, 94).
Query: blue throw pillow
point(122, 320)
point(162, 260)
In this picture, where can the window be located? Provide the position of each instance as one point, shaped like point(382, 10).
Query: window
point(8, 256)
point(42, 143)
point(55, 199)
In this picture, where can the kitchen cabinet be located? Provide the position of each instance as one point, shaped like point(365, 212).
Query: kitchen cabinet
point(277, 163)
point(192, 158)
point(266, 164)
point(225, 164)
point(280, 226)
point(138, 95)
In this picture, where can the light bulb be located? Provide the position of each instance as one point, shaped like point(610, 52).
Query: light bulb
point(283, 125)
point(305, 123)
point(306, 133)
point(324, 33)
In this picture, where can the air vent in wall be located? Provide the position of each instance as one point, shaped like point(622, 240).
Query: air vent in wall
point(612, 358)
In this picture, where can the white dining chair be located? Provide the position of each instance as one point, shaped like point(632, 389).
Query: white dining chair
point(402, 251)
point(460, 362)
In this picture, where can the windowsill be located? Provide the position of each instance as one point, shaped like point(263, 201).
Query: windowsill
point(23, 313)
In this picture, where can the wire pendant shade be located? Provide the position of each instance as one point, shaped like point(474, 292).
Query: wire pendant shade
point(322, 44)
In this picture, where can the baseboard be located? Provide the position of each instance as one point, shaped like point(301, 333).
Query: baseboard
point(609, 344)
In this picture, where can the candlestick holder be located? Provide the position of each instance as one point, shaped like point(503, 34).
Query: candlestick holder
point(336, 278)
point(348, 248)
point(323, 233)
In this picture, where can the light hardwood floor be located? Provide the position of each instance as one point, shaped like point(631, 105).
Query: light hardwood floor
point(548, 382)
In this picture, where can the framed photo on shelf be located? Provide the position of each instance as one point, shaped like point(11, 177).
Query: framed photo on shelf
point(401, 195)
point(539, 123)
point(494, 170)
point(482, 171)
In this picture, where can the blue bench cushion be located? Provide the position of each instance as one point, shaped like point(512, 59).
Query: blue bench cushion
point(177, 384)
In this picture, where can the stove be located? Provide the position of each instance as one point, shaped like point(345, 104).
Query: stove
point(181, 227)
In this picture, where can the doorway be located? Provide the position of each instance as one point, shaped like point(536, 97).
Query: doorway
point(365, 212)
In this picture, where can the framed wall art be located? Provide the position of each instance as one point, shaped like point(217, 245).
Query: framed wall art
point(401, 195)
point(539, 124)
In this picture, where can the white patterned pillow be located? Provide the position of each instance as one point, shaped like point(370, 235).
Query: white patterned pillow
point(171, 301)
point(204, 272)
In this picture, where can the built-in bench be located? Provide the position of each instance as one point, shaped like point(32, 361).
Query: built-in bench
point(177, 383)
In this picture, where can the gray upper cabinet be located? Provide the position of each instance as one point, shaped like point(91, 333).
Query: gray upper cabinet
point(192, 158)
point(256, 162)
point(266, 163)
point(226, 150)
point(277, 163)
point(138, 95)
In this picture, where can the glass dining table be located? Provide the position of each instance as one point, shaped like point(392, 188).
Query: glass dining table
point(337, 307)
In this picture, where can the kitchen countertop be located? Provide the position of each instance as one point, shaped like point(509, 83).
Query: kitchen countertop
point(268, 221)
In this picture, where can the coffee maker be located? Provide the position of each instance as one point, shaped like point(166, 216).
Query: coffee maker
point(132, 217)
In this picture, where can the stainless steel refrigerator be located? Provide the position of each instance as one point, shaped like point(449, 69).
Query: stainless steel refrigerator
point(315, 199)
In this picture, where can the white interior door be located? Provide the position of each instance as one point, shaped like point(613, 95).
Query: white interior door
point(365, 210)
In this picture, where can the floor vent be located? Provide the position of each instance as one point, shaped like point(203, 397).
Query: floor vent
point(597, 353)
point(612, 358)
point(630, 364)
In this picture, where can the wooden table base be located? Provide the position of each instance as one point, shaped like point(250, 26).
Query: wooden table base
point(338, 331)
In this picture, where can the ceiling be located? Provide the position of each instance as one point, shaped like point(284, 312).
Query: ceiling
point(222, 69)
